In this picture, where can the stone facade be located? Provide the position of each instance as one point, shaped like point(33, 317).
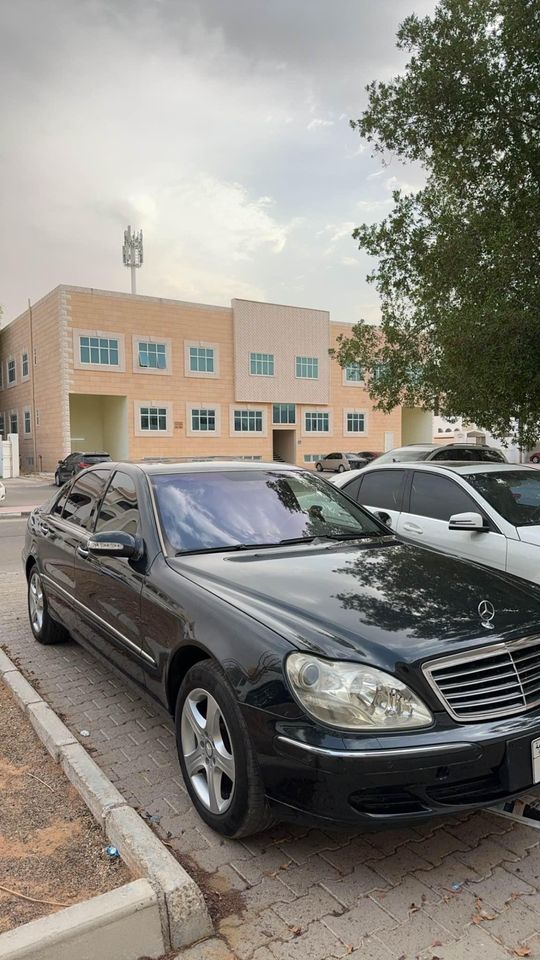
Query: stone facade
point(92, 381)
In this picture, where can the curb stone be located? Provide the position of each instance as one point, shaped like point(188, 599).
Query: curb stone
point(183, 912)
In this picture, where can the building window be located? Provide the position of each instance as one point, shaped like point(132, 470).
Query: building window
point(307, 368)
point(25, 366)
point(354, 373)
point(201, 359)
point(11, 372)
point(313, 457)
point(1, 375)
point(13, 423)
point(27, 422)
point(203, 420)
point(261, 364)
point(317, 422)
point(153, 355)
point(356, 423)
point(99, 350)
point(2, 425)
point(248, 421)
point(153, 418)
point(283, 413)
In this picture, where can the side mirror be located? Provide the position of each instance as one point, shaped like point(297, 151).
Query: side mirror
point(385, 517)
point(467, 521)
point(114, 543)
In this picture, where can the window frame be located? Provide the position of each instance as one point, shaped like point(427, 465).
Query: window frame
point(347, 381)
point(317, 413)
point(262, 359)
point(355, 412)
point(256, 411)
point(303, 362)
point(165, 342)
point(207, 411)
point(284, 423)
point(190, 345)
point(138, 405)
point(79, 364)
point(27, 411)
point(25, 376)
point(11, 414)
point(11, 383)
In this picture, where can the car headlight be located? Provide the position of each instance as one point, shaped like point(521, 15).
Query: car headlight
point(353, 695)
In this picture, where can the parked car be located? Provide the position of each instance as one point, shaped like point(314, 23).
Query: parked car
point(535, 457)
point(76, 462)
point(462, 452)
point(369, 455)
point(339, 462)
point(318, 668)
point(2, 492)
point(488, 512)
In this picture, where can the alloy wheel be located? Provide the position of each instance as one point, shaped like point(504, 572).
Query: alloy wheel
point(207, 751)
point(36, 601)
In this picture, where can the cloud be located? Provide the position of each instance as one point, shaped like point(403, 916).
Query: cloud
point(318, 122)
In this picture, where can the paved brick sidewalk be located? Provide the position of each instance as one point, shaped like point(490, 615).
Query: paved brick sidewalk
point(293, 894)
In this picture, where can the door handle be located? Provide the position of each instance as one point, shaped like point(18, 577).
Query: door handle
point(82, 552)
point(412, 528)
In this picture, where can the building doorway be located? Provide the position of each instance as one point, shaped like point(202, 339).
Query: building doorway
point(284, 445)
point(99, 423)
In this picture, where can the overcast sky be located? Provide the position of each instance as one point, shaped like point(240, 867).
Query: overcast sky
point(218, 126)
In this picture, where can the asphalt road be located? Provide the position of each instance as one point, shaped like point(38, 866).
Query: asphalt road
point(23, 492)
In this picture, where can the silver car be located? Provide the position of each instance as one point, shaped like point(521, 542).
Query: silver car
point(340, 462)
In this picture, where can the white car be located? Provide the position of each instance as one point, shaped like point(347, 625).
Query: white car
point(488, 512)
point(2, 492)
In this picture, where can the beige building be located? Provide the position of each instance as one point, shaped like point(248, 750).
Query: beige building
point(137, 376)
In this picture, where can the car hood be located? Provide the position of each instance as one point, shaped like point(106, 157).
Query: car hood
point(530, 534)
point(381, 599)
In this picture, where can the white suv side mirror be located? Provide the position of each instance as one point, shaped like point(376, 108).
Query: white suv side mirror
point(467, 521)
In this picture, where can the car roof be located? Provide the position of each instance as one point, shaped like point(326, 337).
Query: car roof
point(441, 466)
point(166, 466)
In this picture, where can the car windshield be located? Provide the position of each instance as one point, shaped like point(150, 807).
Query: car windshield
point(515, 494)
point(235, 509)
point(403, 456)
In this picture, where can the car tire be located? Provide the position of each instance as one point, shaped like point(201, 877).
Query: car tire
point(535, 459)
point(341, 468)
point(318, 467)
point(203, 691)
point(45, 629)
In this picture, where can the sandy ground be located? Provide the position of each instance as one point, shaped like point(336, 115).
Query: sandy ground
point(51, 849)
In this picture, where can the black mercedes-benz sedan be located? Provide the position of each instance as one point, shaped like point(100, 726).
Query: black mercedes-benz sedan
point(318, 668)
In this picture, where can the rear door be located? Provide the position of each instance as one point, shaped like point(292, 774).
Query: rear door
point(109, 588)
point(381, 491)
point(433, 500)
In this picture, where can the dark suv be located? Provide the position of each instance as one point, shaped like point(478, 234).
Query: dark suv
point(463, 452)
point(75, 462)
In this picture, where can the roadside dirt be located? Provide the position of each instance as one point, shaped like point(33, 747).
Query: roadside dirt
point(51, 849)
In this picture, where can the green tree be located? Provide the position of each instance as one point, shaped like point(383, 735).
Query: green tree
point(458, 261)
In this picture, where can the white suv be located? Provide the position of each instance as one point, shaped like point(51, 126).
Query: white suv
point(488, 512)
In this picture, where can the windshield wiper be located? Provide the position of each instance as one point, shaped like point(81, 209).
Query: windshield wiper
point(226, 548)
point(230, 548)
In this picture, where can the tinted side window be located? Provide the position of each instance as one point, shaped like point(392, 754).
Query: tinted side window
point(119, 510)
point(439, 498)
point(382, 489)
point(84, 496)
point(57, 507)
point(352, 489)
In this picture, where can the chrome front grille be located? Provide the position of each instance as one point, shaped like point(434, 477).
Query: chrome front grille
point(491, 682)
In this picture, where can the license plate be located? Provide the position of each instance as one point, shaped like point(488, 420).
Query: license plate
point(535, 754)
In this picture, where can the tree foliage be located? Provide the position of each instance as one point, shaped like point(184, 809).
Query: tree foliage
point(458, 261)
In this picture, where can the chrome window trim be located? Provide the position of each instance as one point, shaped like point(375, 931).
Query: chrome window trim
point(368, 754)
point(472, 656)
point(120, 636)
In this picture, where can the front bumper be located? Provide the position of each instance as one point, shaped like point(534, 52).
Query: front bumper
point(315, 775)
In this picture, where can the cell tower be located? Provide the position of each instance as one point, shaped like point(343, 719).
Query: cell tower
point(132, 252)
